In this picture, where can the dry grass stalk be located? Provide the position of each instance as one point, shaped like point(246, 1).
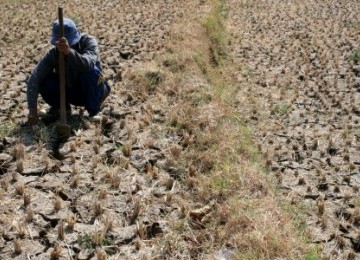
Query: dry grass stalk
point(95, 161)
point(321, 205)
point(57, 203)
point(175, 150)
point(98, 132)
point(29, 215)
point(108, 224)
point(192, 170)
point(20, 166)
point(137, 243)
point(169, 183)
point(46, 162)
point(301, 181)
point(127, 150)
point(148, 169)
point(340, 241)
point(40, 145)
point(115, 181)
point(61, 230)
point(347, 197)
point(18, 152)
point(355, 188)
point(98, 141)
point(97, 238)
point(75, 182)
point(355, 218)
point(168, 197)
point(102, 194)
point(124, 163)
point(130, 132)
point(14, 176)
point(74, 169)
point(323, 221)
point(182, 213)
point(20, 189)
point(96, 148)
point(122, 123)
point(27, 199)
point(97, 208)
point(136, 211)
point(17, 247)
point(56, 253)
point(140, 230)
point(155, 173)
point(100, 254)
point(20, 231)
point(72, 158)
point(186, 141)
point(71, 221)
point(73, 146)
point(4, 185)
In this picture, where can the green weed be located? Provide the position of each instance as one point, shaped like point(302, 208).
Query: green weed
point(355, 56)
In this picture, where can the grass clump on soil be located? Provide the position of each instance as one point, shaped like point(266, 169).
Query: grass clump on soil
point(6, 129)
point(355, 56)
point(231, 204)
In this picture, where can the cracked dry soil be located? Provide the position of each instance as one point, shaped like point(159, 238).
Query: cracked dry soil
point(112, 182)
point(299, 70)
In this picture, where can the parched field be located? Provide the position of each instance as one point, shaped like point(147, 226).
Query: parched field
point(170, 170)
point(112, 185)
point(299, 71)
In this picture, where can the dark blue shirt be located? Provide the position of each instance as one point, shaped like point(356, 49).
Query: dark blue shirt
point(83, 56)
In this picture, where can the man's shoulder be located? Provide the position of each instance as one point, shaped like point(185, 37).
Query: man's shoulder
point(87, 38)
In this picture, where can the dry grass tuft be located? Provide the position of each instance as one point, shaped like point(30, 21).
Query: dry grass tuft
point(20, 189)
point(20, 166)
point(57, 203)
point(56, 253)
point(97, 208)
point(18, 152)
point(17, 247)
point(4, 184)
point(71, 221)
point(127, 149)
point(27, 199)
point(100, 254)
point(61, 230)
point(29, 215)
point(135, 212)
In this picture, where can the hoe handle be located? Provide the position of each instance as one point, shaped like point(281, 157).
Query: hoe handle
point(62, 71)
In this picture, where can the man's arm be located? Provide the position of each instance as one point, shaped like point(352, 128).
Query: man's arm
point(41, 71)
point(86, 59)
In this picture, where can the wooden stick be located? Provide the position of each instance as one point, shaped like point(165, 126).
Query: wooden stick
point(62, 71)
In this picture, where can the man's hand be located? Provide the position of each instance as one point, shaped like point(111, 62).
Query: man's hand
point(63, 46)
point(33, 117)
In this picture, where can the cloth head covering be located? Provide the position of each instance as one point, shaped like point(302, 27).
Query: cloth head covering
point(71, 33)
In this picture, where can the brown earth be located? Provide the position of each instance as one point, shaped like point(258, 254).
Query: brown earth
point(119, 185)
point(299, 76)
point(113, 183)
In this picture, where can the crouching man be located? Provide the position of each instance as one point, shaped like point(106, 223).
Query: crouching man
point(84, 84)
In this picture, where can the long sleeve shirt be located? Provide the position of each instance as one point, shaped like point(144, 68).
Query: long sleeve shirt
point(83, 56)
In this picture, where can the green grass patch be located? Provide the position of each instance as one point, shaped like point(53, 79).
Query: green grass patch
point(355, 56)
point(6, 129)
point(215, 30)
point(281, 109)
